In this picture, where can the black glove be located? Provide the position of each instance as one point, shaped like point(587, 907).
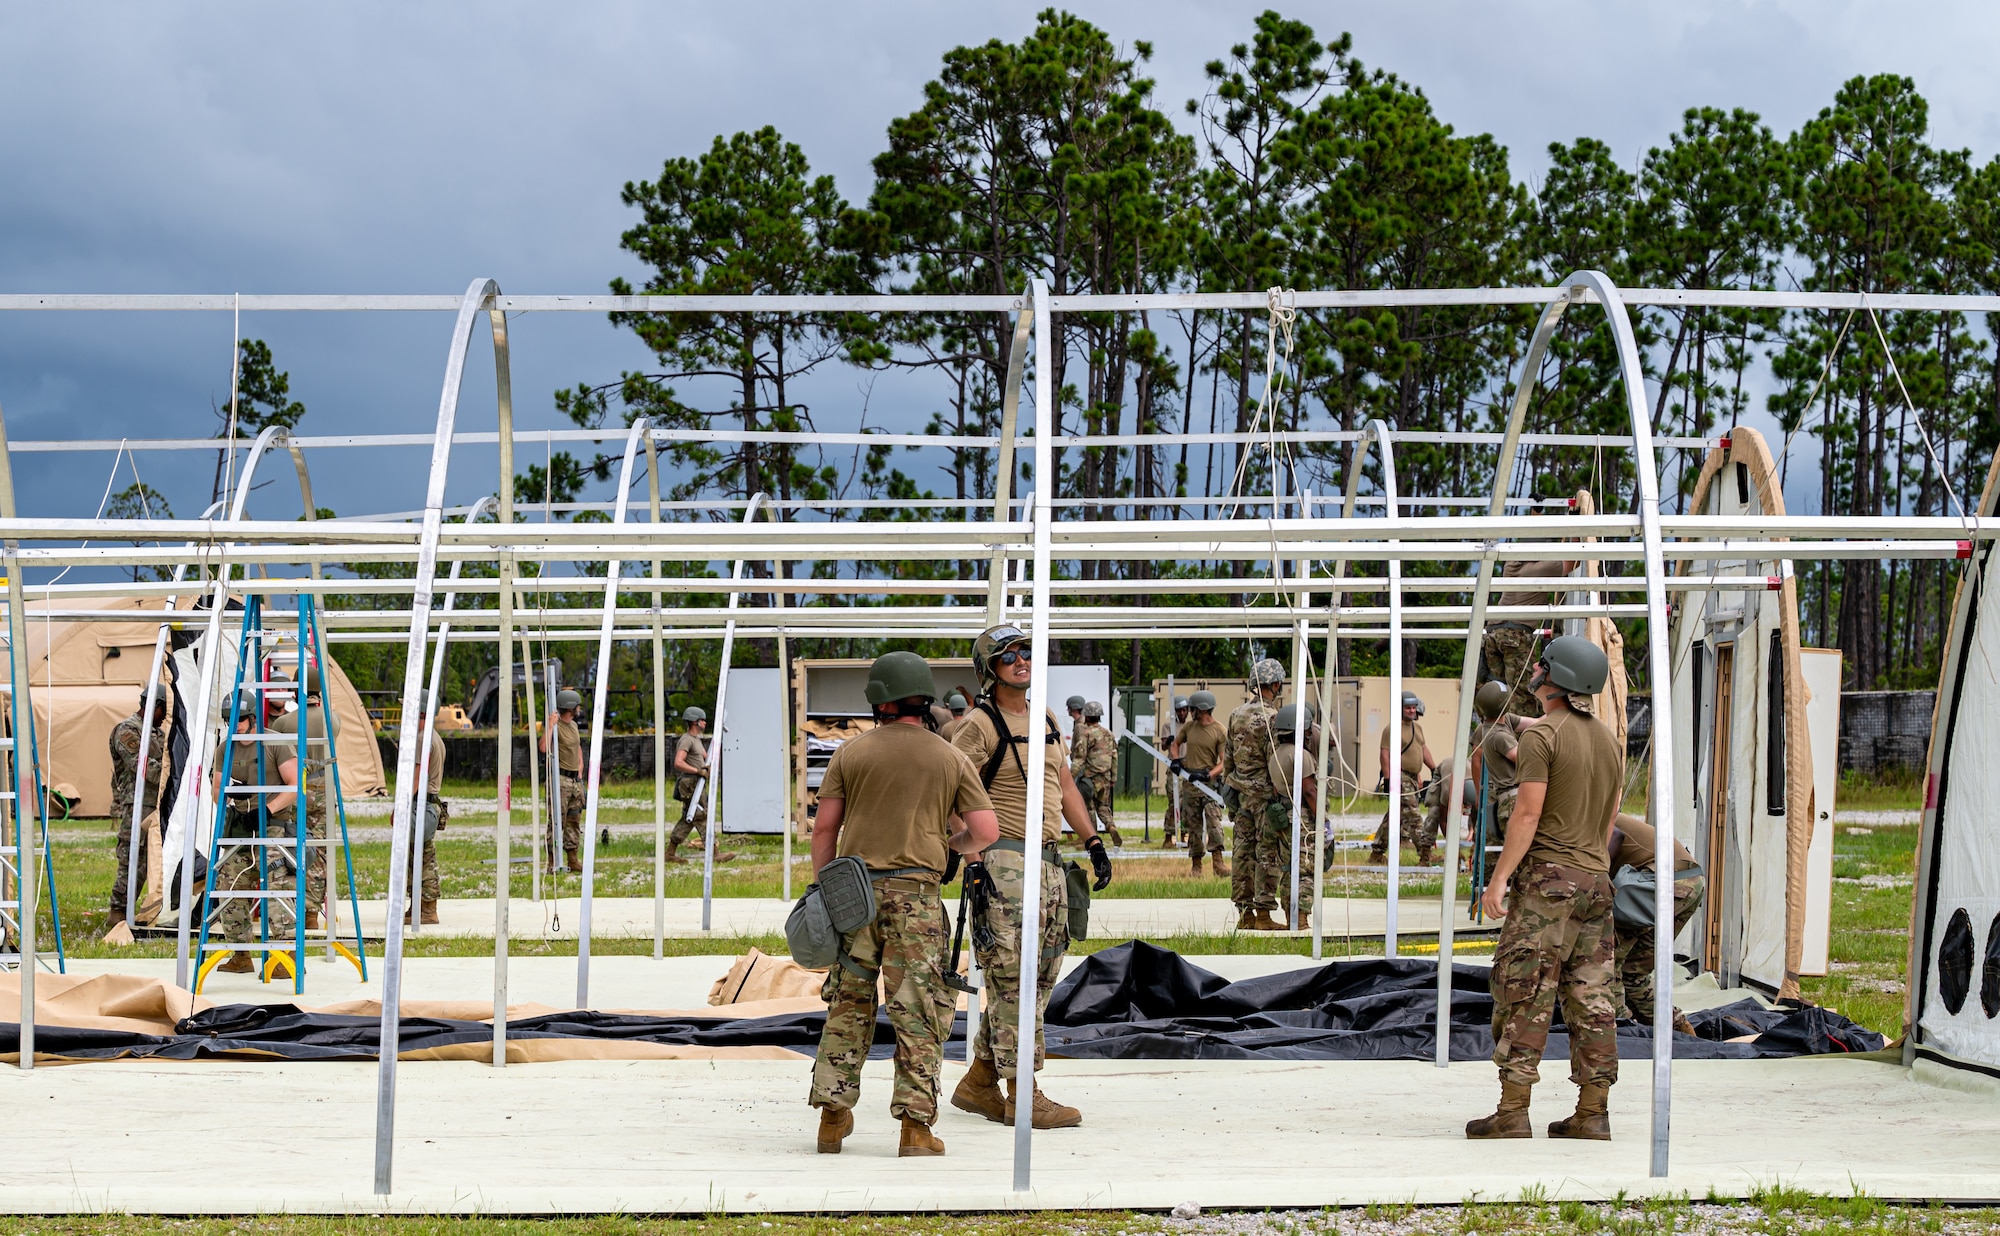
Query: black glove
point(977, 881)
point(1100, 863)
point(951, 860)
point(1174, 766)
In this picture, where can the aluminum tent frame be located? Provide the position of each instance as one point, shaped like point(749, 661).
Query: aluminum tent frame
point(1029, 535)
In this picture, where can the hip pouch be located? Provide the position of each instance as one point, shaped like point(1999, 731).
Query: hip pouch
point(842, 901)
point(1077, 881)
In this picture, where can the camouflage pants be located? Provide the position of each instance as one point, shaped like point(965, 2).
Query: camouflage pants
point(1417, 832)
point(1260, 868)
point(1170, 819)
point(907, 943)
point(316, 856)
point(1202, 818)
point(694, 814)
point(425, 874)
point(1509, 655)
point(1555, 943)
point(999, 1038)
point(149, 865)
point(572, 819)
point(1102, 804)
point(1632, 991)
point(1277, 841)
point(241, 920)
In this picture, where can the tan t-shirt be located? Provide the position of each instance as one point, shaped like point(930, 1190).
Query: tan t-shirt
point(901, 784)
point(569, 745)
point(436, 780)
point(1203, 744)
point(1518, 569)
point(1636, 847)
point(951, 727)
point(1009, 791)
point(288, 723)
point(691, 746)
point(1580, 762)
point(1498, 750)
point(1413, 747)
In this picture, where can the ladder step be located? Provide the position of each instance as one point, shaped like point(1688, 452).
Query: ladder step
point(259, 895)
point(289, 740)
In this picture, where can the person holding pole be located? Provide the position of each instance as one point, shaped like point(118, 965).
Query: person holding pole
point(1552, 889)
point(889, 798)
point(1170, 819)
point(562, 729)
point(130, 779)
point(690, 774)
point(992, 738)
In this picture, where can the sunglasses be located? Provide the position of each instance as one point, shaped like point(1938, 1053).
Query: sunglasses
point(1012, 655)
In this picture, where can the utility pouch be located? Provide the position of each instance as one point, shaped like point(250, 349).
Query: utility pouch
point(1232, 798)
point(1633, 892)
point(1088, 788)
point(1077, 881)
point(842, 901)
point(430, 819)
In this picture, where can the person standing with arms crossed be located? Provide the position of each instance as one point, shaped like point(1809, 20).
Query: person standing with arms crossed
point(994, 738)
point(889, 798)
point(1552, 890)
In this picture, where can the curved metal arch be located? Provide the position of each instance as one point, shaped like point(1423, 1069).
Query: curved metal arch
point(641, 432)
point(757, 501)
point(1646, 500)
point(481, 296)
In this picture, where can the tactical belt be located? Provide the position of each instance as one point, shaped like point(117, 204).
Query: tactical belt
point(1050, 852)
point(573, 776)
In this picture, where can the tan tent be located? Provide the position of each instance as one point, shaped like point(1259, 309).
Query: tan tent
point(98, 670)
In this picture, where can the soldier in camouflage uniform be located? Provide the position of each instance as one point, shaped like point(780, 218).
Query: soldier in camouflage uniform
point(125, 784)
point(1277, 837)
point(322, 728)
point(888, 798)
point(1552, 889)
point(1094, 753)
point(240, 920)
point(1632, 842)
point(1508, 648)
point(1415, 756)
point(1202, 742)
point(993, 739)
point(1246, 768)
point(568, 739)
point(1170, 819)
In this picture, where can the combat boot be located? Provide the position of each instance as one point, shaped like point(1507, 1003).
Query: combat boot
point(1264, 922)
point(918, 1142)
point(1378, 858)
point(674, 852)
point(312, 919)
point(1195, 871)
point(1302, 920)
point(1217, 865)
point(1117, 838)
point(572, 861)
point(1048, 1114)
point(1246, 921)
point(430, 912)
point(1683, 1026)
point(978, 1092)
point(835, 1123)
point(1592, 1119)
point(1511, 1120)
point(238, 963)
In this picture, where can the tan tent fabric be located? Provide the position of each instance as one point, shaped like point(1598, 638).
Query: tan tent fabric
point(98, 670)
point(759, 976)
point(1747, 447)
point(1604, 633)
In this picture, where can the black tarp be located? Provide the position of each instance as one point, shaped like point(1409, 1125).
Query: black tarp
point(1131, 1002)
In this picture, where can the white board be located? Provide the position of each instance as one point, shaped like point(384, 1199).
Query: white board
point(756, 753)
point(1821, 670)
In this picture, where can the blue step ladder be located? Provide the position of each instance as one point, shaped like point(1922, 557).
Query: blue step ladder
point(14, 828)
point(278, 853)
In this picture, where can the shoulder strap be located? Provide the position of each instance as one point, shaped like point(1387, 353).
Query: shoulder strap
point(1003, 739)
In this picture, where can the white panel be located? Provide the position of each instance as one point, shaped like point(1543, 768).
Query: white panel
point(1968, 844)
point(756, 757)
point(1821, 670)
point(1765, 844)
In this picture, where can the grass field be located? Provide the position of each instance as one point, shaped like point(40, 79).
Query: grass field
point(1872, 888)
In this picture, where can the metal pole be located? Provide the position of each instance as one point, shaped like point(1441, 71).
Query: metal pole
point(1454, 812)
point(534, 723)
point(592, 789)
point(477, 297)
point(659, 725)
point(1038, 694)
point(1003, 473)
point(714, 786)
point(785, 756)
point(503, 820)
point(200, 726)
point(1393, 825)
point(1299, 667)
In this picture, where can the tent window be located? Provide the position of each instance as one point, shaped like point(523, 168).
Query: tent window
point(1954, 962)
point(1700, 664)
point(1989, 978)
point(1774, 753)
point(1743, 484)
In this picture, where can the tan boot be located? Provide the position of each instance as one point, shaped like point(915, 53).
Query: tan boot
point(1302, 920)
point(572, 861)
point(1217, 865)
point(1246, 921)
point(1592, 1119)
point(918, 1142)
point(1511, 1120)
point(674, 853)
point(978, 1092)
point(312, 919)
point(1196, 870)
point(1264, 922)
point(835, 1123)
point(429, 916)
point(1048, 1113)
point(238, 963)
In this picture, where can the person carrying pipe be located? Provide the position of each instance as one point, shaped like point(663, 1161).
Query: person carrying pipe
point(1201, 741)
point(690, 788)
point(890, 798)
point(1552, 890)
point(994, 738)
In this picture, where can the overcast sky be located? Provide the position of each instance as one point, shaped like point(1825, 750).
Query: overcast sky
point(157, 147)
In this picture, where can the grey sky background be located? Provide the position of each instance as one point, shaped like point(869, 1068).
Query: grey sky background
point(155, 147)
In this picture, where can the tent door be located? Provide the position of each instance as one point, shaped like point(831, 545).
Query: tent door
point(1723, 945)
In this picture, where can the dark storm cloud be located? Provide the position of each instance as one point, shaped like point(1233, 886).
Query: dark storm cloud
point(404, 148)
